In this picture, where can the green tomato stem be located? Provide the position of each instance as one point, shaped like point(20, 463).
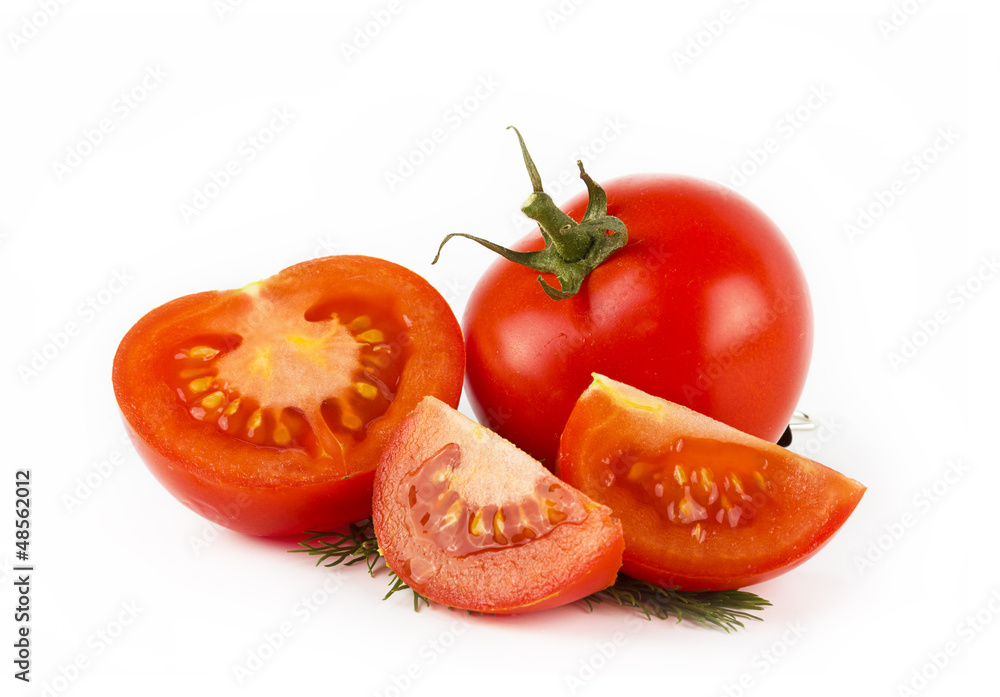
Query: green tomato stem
point(572, 249)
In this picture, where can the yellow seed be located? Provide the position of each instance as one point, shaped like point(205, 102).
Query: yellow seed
point(680, 475)
point(372, 336)
point(189, 373)
point(639, 471)
point(498, 520)
point(707, 480)
point(281, 434)
point(698, 532)
point(759, 480)
point(352, 422)
point(255, 420)
point(205, 353)
point(476, 526)
point(201, 384)
point(365, 390)
point(232, 407)
point(359, 324)
point(737, 482)
point(213, 400)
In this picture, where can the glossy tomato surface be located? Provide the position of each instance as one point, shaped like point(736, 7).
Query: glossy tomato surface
point(703, 506)
point(706, 305)
point(266, 409)
point(469, 521)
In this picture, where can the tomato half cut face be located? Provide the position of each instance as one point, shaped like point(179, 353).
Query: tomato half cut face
point(470, 521)
point(703, 506)
point(266, 408)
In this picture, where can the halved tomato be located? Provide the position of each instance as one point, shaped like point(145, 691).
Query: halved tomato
point(266, 409)
point(470, 521)
point(704, 506)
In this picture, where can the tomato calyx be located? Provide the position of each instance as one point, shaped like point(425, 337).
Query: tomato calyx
point(572, 249)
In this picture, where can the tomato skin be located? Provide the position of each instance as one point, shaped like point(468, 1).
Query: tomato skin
point(266, 490)
point(614, 426)
point(706, 305)
point(536, 575)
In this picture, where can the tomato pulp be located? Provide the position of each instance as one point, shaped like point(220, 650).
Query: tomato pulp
point(469, 521)
point(703, 506)
point(706, 306)
point(265, 409)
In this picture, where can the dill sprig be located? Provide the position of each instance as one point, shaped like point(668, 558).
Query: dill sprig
point(354, 546)
point(722, 609)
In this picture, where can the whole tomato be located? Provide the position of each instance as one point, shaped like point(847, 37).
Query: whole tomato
point(705, 305)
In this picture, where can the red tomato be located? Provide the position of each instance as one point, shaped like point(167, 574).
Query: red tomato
point(266, 409)
point(469, 521)
point(704, 506)
point(705, 305)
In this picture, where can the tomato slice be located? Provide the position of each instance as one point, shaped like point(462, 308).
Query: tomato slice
point(703, 505)
point(470, 521)
point(265, 409)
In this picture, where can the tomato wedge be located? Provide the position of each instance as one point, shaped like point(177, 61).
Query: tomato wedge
point(266, 409)
point(703, 505)
point(470, 521)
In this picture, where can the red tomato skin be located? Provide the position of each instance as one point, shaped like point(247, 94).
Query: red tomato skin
point(185, 456)
point(706, 306)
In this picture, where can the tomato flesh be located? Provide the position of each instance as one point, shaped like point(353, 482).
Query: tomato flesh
point(703, 506)
point(266, 408)
point(442, 514)
point(469, 521)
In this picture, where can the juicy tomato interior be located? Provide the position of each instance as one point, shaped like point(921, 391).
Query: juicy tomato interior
point(272, 403)
point(696, 483)
point(311, 381)
point(441, 513)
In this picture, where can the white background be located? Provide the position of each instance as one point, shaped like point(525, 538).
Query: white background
point(150, 599)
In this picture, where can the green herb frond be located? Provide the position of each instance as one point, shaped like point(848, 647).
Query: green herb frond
point(723, 609)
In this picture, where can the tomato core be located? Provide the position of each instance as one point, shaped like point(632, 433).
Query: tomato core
point(697, 482)
point(441, 512)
